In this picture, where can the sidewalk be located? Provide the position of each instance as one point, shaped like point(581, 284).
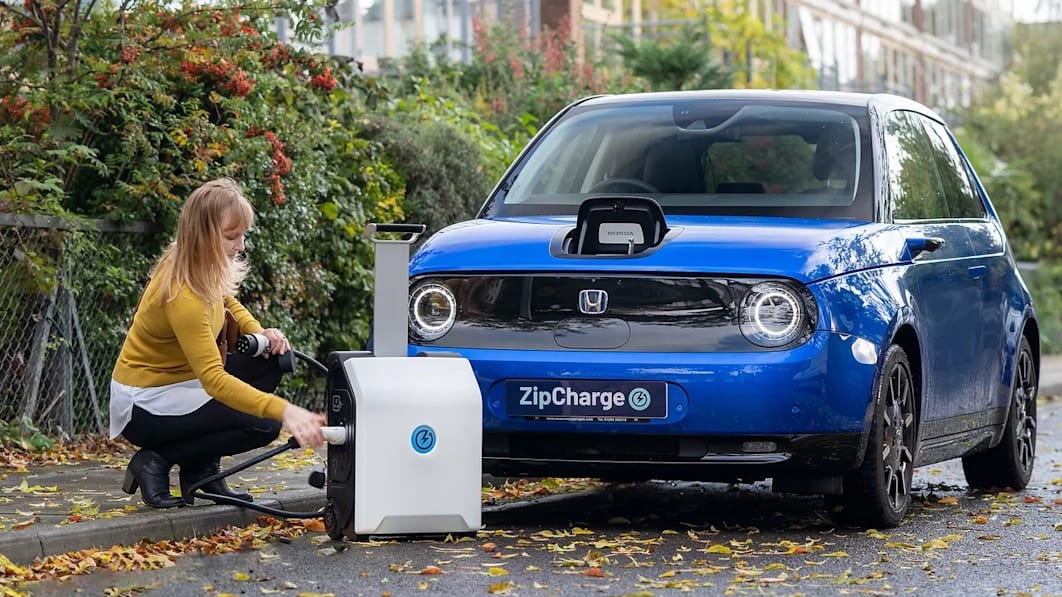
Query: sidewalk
point(61, 508)
point(67, 507)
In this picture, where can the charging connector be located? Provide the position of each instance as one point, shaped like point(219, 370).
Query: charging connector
point(336, 436)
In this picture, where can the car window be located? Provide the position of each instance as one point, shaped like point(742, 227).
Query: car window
point(706, 157)
point(963, 202)
point(915, 189)
point(781, 163)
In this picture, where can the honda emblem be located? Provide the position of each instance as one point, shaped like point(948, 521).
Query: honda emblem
point(593, 301)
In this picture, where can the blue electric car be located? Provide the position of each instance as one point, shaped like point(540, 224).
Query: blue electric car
point(810, 287)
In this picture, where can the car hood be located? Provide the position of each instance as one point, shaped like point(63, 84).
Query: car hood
point(805, 250)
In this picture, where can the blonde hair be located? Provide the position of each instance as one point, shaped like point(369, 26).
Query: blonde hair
point(196, 258)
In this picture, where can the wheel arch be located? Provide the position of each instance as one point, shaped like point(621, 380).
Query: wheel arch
point(907, 338)
point(1031, 331)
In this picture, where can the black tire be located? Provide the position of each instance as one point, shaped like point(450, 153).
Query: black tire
point(1010, 463)
point(878, 493)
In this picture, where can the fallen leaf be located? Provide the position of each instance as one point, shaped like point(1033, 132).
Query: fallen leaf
point(501, 588)
point(595, 572)
point(431, 570)
point(25, 487)
point(495, 571)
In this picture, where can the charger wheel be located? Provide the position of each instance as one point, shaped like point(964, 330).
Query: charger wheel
point(331, 521)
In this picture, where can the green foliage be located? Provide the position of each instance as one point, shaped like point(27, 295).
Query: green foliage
point(757, 57)
point(1021, 128)
point(1046, 288)
point(25, 435)
point(1011, 137)
point(726, 47)
point(426, 103)
point(518, 81)
point(1039, 52)
point(146, 101)
point(445, 178)
point(684, 62)
point(1013, 192)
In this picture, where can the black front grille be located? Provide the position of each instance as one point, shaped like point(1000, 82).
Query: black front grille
point(644, 313)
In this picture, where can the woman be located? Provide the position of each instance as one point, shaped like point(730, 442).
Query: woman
point(171, 395)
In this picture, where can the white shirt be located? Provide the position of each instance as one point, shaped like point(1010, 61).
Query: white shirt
point(170, 400)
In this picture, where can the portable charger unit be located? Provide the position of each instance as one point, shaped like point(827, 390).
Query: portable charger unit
point(411, 462)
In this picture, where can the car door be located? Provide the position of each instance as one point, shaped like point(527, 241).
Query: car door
point(988, 264)
point(945, 296)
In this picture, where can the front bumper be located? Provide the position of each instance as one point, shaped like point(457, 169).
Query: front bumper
point(699, 458)
point(812, 402)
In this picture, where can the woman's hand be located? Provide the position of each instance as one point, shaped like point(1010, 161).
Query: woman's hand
point(278, 344)
point(303, 425)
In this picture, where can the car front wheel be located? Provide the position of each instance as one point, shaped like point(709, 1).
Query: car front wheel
point(878, 494)
point(1010, 463)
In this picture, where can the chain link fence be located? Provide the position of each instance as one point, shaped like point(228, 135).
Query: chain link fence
point(67, 294)
point(67, 290)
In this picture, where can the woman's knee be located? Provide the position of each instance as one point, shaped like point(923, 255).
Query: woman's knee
point(267, 429)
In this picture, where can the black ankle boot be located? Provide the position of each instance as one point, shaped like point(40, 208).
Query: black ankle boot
point(193, 472)
point(151, 473)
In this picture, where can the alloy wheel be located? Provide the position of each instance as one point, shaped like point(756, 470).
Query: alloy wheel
point(898, 436)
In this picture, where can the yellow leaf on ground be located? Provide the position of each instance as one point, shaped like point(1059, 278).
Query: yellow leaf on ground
point(495, 571)
point(501, 588)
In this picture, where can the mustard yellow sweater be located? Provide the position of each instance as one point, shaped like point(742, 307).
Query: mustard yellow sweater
point(176, 342)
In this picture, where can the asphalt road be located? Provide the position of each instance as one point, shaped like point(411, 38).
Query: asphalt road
point(659, 538)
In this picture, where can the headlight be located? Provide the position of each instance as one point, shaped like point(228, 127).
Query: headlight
point(432, 311)
point(773, 315)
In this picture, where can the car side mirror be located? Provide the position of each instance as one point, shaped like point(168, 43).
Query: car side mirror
point(916, 245)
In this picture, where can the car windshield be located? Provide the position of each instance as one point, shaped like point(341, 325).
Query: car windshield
point(699, 157)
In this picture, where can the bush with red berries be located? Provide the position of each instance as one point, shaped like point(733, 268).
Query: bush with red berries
point(120, 114)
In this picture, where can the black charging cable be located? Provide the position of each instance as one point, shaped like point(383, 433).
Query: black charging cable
point(317, 478)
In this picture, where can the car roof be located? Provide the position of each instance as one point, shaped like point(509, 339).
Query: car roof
point(881, 101)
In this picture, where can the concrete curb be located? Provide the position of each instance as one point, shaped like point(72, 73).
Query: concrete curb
point(50, 538)
point(177, 524)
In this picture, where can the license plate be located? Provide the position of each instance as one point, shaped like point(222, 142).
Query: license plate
point(586, 399)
